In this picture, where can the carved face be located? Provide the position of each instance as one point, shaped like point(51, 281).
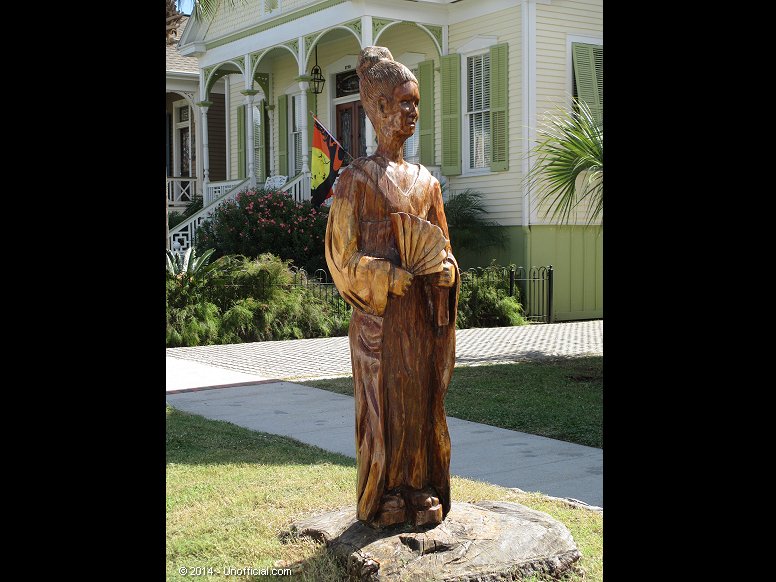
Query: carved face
point(400, 114)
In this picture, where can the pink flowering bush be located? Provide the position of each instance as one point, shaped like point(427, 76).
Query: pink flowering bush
point(261, 221)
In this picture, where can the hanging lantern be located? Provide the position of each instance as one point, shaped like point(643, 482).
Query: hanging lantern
point(316, 78)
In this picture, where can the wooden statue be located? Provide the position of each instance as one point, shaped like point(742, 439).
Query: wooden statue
point(388, 250)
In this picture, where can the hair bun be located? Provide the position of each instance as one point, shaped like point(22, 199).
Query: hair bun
point(371, 55)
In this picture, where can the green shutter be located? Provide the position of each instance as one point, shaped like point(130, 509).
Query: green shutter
point(451, 114)
point(282, 116)
point(241, 141)
point(588, 62)
point(426, 121)
point(312, 105)
point(258, 145)
point(499, 108)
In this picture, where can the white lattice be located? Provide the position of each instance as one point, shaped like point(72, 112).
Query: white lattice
point(215, 190)
point(184, 235)
point(180, 191)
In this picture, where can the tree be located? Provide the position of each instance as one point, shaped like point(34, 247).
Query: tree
point(173, 20)
point(569, 165)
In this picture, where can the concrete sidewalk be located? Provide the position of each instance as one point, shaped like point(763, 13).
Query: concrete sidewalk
point(250, 396)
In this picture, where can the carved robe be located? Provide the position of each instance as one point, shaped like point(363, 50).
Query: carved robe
point(402, 348)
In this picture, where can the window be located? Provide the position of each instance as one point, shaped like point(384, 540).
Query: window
point(588, 76)
point(183, 141)
point(475, 108)
point(412, 145)
point(295, 133)
point(477, 112)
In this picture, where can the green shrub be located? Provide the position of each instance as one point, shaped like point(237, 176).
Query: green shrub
point(261, 221)
point(245, 300)
point(484, 300)
point(197, 324)
point(174, 218)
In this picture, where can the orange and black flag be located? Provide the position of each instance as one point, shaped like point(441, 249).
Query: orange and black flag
point(328, 156)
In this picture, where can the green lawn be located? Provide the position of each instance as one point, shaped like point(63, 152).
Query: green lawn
point(232, 491)
point(560, 399)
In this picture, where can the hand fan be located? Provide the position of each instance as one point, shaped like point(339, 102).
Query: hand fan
point(421, 244)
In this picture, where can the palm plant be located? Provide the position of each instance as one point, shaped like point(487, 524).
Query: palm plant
point(190, 264)
point(466, 220)
point(204, 9)
point(569, 165)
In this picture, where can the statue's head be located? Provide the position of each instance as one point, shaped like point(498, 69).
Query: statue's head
point(389, 92)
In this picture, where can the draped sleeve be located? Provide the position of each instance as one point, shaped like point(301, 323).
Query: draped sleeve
point(362, 280)
point(436, 215)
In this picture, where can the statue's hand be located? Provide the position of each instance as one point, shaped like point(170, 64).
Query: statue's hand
point(400, 281)
point(446, 277)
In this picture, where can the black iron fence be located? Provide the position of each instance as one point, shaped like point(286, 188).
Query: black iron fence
point(320, 285)
point(533, 287)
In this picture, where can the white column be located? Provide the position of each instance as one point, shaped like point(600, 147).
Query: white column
point(303, 85)
point(249, 136)
point(366, 40)
point(366, 31)
point(203, 107)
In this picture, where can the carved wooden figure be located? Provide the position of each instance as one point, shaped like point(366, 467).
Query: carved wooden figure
point(388, 250)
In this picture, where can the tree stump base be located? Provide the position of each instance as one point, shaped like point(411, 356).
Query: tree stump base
point(485, 541)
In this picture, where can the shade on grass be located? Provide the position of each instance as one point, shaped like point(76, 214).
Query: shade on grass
point(231, 491)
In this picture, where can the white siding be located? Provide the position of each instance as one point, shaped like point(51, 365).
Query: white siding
point(247, 13)
point(401, 38)
point(283, 70)
point(503, 191)
point(555, 22)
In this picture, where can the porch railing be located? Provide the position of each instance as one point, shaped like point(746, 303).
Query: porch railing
point(215, 190)
point(298, 188)
point(180, 191)
point(183, 235)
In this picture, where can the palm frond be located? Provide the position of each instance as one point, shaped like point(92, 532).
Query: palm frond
point(206, 9)
point(568, 167)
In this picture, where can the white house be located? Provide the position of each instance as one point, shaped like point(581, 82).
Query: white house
point(488, 70)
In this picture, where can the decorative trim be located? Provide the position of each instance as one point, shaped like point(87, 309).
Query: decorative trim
point(355, 25)
point(249, 91)
point(213, 74)
point(309, 40)
point(263, 80)
point(283, 19)
point(293, 45)
point(256, 57)
point(435, 32)
point(378, 24)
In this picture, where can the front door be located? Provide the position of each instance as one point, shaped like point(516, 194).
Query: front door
point(351, 128)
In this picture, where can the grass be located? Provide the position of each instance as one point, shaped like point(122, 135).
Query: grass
point(232, 491)
point(560, 399)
